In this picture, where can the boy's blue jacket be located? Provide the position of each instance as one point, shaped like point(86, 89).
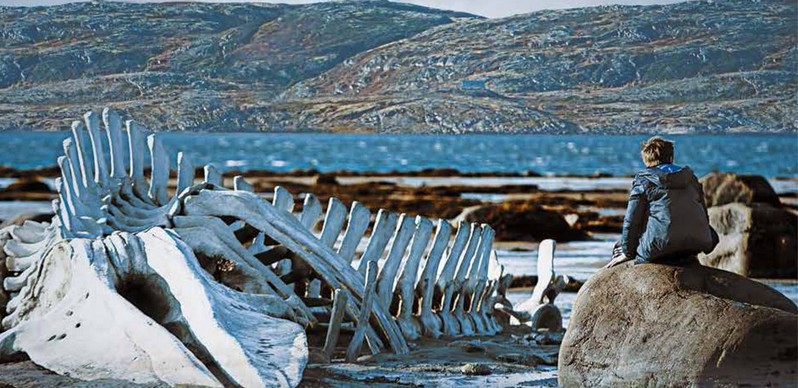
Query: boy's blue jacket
point(666, 219)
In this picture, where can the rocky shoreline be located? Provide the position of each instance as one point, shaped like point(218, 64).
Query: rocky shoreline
point(521, 214)
point(523, 207)
point(519, 211)
point(525, 213)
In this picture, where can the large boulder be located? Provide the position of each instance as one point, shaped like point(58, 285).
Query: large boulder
point(658, 325)
point(757, 240)
point(721, 188)
point(522, 221)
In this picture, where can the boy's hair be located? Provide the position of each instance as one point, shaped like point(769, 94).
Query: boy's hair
point(656, 151)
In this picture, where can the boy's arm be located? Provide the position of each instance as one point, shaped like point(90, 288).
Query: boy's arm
point(634, 218)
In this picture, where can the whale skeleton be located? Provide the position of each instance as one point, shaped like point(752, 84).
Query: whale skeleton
point(194, 283)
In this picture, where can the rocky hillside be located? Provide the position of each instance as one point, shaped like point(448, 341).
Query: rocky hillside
point(725, 66)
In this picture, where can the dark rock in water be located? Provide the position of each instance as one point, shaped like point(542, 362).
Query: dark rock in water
point(521, 359)
point(548, 317)
point(28, 185)
point(317, 356)
point(721, 188)
point(476, 369)
point(758, 241)
point(7, 172)
point(21, 218)
point(474, 346)
point(522, 221)
point(594, 222)
point(36, 173)
point(548, 337)
point(439, 172)
point(325, 179)
point(658, 325)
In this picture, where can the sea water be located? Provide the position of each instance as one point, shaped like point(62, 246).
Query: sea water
point(768, 155)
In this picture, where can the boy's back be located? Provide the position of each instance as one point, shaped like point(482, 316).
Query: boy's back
point(666, 220)
point(669, 215)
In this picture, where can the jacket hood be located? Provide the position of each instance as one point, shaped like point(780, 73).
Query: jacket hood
point(673, 177)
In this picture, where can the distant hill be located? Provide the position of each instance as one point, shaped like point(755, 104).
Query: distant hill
point(718, 66)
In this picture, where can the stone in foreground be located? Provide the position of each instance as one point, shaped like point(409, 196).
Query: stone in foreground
point(658, 325)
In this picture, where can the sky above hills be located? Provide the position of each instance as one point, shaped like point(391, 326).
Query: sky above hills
point(493, 8)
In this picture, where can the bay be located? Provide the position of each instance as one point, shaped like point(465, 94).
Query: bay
point(765, 154)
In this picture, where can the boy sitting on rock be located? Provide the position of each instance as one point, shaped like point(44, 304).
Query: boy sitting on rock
point(666, 219)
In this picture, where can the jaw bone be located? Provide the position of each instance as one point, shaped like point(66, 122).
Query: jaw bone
point(146, 296)
point(73, 304)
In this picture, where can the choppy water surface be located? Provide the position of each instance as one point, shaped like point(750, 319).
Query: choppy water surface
point(769, 155)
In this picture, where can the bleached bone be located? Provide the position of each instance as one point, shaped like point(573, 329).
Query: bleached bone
point(30, 232)
point(461, 287)
point(21, 256)
point(336, 318)
point(358, 222)
point(311, 211)
point(233, 327)
point(477, 282)
point(185, 173)
point(100, 167)
point(72, 169)
point(215, 321)
point(136, 168)
point(86, 171)
point(383, 228)
point(286, 229)
point(369, 296)
point(387, 278)
point(283, 200)
point(126, 204)
point(309, 217)
point(445, 283)
point(494, 292)
point(333, 222)
point(430, 324)
point(113, 128)
point(410, 327)
point(541, 304)
point(81, 201)
point(453, 291)
point(194, 251)
point(73, 308)
point(212, 174)
point(216, 240)
point(160, 171)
